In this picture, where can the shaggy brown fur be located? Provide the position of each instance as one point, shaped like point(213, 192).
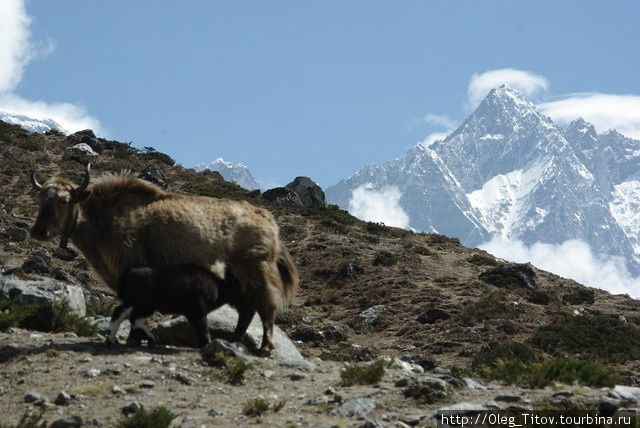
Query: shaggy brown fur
point(123, 221)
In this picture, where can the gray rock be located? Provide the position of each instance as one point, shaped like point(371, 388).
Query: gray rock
point(473, 384)
point(81, 152)
point(42, 290)
point(63, 399)
point(154, 174)
point(309, 192)
point(179, 332)
point(65, 253)
point(38, 262)
point(90, 373)
point(33, 397)
point(130, 409)
point(412, 420)
point(369, 316)
point(508, 398)
point(61, 274)
point(147, 383)
point(102, 323)
point(282, 195)
point(87, 137)
point(355, 407)
point(68, 422)
point(372, 423)
point(426, 389)
point(297, 376)
point(627, 392)
point(562, 393)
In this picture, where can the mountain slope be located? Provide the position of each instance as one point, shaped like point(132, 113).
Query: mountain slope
point(510, 172)
point(29, 123)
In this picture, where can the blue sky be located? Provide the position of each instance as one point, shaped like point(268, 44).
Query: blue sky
point(310, 88)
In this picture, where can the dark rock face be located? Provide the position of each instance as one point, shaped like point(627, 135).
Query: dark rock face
point(309, 192)
point(511, 275)
point(154, 174)
point(38, 262)
point(282, 195)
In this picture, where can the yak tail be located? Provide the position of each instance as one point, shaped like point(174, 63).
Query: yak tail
point(288, 274)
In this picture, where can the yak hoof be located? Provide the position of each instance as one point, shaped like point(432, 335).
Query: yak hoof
point(265, 352)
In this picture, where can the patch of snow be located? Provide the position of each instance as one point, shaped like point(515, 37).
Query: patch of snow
point(625, 209)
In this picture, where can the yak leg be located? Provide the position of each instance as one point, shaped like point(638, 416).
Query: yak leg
point(139, 329)
point(245, 315)
point(268, 316)
point(199, 322)
point(120, 314)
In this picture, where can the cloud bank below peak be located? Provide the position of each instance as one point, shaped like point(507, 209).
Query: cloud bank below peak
point(17, 50)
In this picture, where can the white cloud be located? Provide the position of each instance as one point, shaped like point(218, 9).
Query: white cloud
point(525, 81)
point(604, 111)
point(378, 205)
point(571, 259)
point(17, 49)
point(441, 120)
point(71, 117)
point(435, 136)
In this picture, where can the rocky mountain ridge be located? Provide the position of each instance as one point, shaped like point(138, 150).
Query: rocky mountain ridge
point(510, 172)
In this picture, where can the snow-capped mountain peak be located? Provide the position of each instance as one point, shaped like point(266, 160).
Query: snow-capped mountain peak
point(237, 173)
point(509, 171)
point(30, 123)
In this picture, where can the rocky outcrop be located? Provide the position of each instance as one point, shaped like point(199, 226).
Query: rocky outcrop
point(42, 290)
point(309, 192)
point(282, 195)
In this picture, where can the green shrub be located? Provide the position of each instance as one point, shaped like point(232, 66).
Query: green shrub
point(227, 369)
point(255, 407)
point(31, 146)
point(335, 226)
point(214, 189)
point(490, 354)
point(482, 260)
point(149, 153)
point(594, 336)
point(376, 228)
point(159, 417)
point(423, 251)
point(57, 317)
point(541, 374)
point(579, 296)
point(539, 297)
point(487, 308)
point(385, 258)
point(28, 420)
point(7, 129)
point(120, 150)
point(332, 212)
point(363, 374)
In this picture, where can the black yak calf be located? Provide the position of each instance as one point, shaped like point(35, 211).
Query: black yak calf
point(187, 290)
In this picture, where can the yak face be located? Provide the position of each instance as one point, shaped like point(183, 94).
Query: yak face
point(58, 204)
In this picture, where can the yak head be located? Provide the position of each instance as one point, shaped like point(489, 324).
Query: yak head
point(58, 201)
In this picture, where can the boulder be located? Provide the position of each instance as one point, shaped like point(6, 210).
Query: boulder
point(511, 275)
point(42, 290)
point(178, 331)
point(309, 192)
point(39, 263)
point(426, 389)
point(355, 407)
point(86, 137)
point(154, 174)
point(80, 152)
point(282, 195)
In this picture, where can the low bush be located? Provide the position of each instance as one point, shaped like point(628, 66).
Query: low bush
point(56, 317)
point(226, 368)
point(490, 354)
point(579, 296)
point(363, 374)
point(159, 417)
point(149, 153)
point(255, 407)
point(488, 308)
point(28, 420)
point(331, 212)
point(594, 336)
point(539, 297)
point(214, 189)
point(423, 251)
point(482, 260)
point(385, 258)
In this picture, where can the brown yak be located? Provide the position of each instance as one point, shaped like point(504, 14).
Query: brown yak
point(121, 221)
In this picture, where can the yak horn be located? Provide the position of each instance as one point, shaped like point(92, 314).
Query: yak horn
point(34, 180)
point(85, 182)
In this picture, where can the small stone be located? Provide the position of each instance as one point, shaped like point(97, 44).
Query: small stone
point(389, 417)
point(267, 374)
point(297, 376)
point(371, 423)
point(16, 234)
point(97, 422)
point(214, 413)
point(92, 373)
point(147, 383)
point(33, 397)
point(412, 420)
point(130, 409)
point(117, 390)
point(562, 393)
point(63, 399)
point(508, 398)
point(306, 320)
point(68, 422)
point(330, 391)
